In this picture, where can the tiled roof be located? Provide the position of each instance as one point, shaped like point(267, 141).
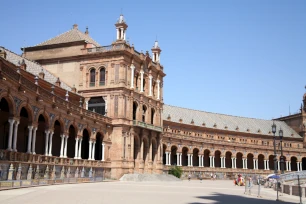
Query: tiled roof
point(73, 35)
point(33, 67)
point(225, 122)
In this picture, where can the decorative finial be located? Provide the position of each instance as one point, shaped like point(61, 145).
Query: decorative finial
point(86, 32)
point(36, 79)
point(52, 89)
point(67, 96)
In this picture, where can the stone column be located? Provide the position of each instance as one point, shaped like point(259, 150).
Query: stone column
point(34, 140)
point(202, 160)
point(50, 143)
point(30, 128)
point(141, 81)
point(102, 151)
point(243, 164)
point(10, 136)
point(117, 33)
point(210, 162)
point(15, 136)
point(80, 148)
point(191, 159)
point(93, 151)
point(278, 166)
point(132, 75)
point(213, 161)
point(178, 158)
point(169, 158)
point(188, 156)
point(46, 142)
point(301, 167)
point(254, 164)
point(158, 89)
point(65, 148)
point(265, 165)
point(76, 148)
point(150, 85)
point(62, 146)
point(246, 163)
point(232, 163)
point(89, 153)
point(122, 35)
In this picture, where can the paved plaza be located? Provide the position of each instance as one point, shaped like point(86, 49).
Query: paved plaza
point(184, 192)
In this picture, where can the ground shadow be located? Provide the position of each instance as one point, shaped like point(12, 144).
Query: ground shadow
point(225, 198)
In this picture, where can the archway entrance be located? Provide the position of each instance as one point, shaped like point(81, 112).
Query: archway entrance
point(56, 140)
point(217, 158)
point(98, 147)
point(228, 160)
point(261, 159)
point(4, 124)
point(239, 160)
point(173, 155)
point(85, 145)
point(71, 142)
point(184, 156)
point(250, 162)
point(206, 158)
point(293, 164)
point(271, 162)
point(195, 157)
point(23, 131)
point(41, 135)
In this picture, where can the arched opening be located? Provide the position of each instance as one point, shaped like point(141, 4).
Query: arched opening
point(144, 84)
point(56, 139)
point(71, 142)
point(164, 153)
point(136, 82)
point(98, 146)
point(152, 116)
point(173, 155)
point(4, 124)
point(102, 77)
point(195, 158)
point(135, 106)
point(293, 164)
point(284, 163)
point(23, 131)
point(217, 158)
point(41, 135)
point(250, 161)
point(303, 163)
point(136, 147)
point(228, 160)
point(184, 156)
point(85, 145)
point(92, 77)
point(144, 110)
point(239, 160)
point(206, 158)
point(271, 162)
point(97, 104)
point(154, 149)
point(145, 149)
point(261, 159)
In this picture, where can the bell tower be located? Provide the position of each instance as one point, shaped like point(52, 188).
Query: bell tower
point(121, 27)
point(156, 52)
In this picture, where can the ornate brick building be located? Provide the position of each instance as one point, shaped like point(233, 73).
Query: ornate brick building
point(70, 102)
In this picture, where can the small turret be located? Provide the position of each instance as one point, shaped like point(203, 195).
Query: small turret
point(156, 52)
point(121, 27)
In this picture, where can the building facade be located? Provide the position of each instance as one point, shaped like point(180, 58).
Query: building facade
point(70, 102)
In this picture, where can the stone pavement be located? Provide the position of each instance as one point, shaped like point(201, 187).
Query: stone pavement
point(185, 192)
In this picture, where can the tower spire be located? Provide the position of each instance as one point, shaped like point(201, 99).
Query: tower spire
point(121, 27)
point(156, 51)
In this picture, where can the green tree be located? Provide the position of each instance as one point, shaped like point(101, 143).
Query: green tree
point(176, 171)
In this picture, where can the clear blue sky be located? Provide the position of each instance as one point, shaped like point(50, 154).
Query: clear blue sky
point(244, 58)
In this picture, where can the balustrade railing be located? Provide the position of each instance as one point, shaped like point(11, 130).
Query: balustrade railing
point(26, 83)
point(148, 126)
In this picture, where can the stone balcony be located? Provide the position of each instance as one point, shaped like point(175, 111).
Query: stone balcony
point(147, 126)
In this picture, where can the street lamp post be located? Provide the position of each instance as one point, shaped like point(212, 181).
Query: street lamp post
point(275, 159)
point(282, 157)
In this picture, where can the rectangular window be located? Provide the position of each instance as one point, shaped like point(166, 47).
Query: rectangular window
point(117, 73)
point(116, 106)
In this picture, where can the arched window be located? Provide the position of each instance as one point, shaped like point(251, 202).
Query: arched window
point(144, 110)
point(102, 77)
point(97, 104)
point(152, 116)
point(134, 110)
point(92, 77)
